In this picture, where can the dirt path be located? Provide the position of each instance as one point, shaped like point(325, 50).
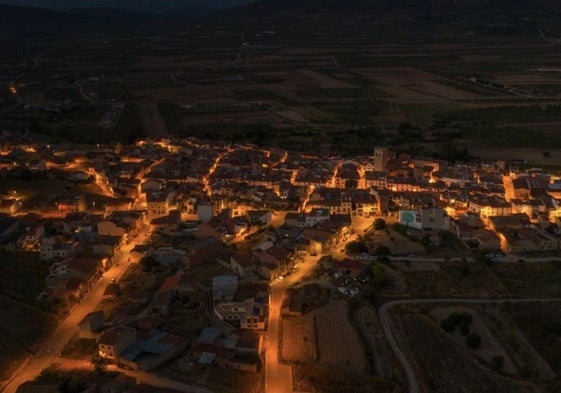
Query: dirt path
point(370, 327)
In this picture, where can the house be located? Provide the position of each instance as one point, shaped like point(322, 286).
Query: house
point(90, 326)
point(349, 266)
point(274, 261)
point(166, 223)
point(158, 203)
point(151, 349)
point(428, 218)
point(107, 246)
point(316, 216)
point(528, 239)
point(69, 290)
point(32, 236)
point(114, 341)
point(243, 265)
point(260, 217)
point(320, 241)
point(205, 212)
point(84, 268)
point(112, 290)
point(9, 205)
point(248, 314)
point(9, 227)
point(224, 288)
point(488, 206)
point(110, 228)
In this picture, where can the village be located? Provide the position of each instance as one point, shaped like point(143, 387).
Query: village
point(186, 241)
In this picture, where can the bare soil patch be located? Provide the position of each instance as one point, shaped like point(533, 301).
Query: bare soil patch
point(396, 242)
point(371, 328)
point(456, 279)
point(338, 343)
point(314, 379)
point(325, 81)
point(299, 340)
point(416, 266)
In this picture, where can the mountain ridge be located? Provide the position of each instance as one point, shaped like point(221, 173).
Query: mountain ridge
point(480, 17)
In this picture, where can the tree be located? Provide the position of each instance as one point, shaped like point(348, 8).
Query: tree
point(148, 263)
point(473, 340)
point(455, 318)
point(380, 276)
point(383, 250)
point(356, 247)
point(464, 329)
point(383, 259)
point(379, 224)
point(99, 364)
point(466, 317)
point(448, 325)
point(426, 241)
point(498, 362)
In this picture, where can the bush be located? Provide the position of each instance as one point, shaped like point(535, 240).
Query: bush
point(473, 340)
point(498, 362)
point(466, 317)
point(379, 224)
point(448, 325)
point(383, 250)
point(383, 259)
point(455, 318)
point(356, 247)
point(464, 329)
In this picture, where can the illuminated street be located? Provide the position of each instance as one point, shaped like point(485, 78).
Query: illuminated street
point(278, 376)
point(64, 333)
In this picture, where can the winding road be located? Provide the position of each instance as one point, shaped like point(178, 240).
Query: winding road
point(400, 354)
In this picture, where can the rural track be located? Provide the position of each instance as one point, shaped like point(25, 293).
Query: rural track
point(412, 382)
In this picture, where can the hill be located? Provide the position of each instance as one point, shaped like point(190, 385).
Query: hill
point(529, 18)
point(167, 7)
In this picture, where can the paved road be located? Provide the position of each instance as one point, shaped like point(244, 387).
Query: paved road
point(278, 376)
point(401, 356)
point(68, 328)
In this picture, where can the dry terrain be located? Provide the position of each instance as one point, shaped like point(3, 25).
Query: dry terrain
point(338, 344)
point(370, 327)
point(446, 367)
point(299, 340)
point(490, 345)
point(396, 242)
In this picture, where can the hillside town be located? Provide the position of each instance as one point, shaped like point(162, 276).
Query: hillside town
point(218, 227)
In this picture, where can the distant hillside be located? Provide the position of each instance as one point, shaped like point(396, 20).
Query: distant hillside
point(27, 22)
point(530, 18)
point(167, 7)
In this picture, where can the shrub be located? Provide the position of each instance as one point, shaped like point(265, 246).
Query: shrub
point(498, 362)
point(473, 340)
point(447, 325)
